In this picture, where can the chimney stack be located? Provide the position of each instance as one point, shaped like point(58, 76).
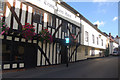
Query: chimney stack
point(109, 34)
point(96, 25)
point(116, 36)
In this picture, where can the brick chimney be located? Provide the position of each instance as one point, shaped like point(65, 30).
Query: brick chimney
point(117, 36)
point(109, 34)
point(96, 25)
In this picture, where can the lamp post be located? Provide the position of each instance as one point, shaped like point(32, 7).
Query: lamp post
point(67, 41)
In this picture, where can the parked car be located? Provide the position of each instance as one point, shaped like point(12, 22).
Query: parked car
point(115, 53)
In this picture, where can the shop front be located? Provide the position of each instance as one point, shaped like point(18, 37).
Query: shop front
point(20, 50)
point(18, 55)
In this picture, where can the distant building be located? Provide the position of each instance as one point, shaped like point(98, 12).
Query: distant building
point(117, 39)
point(113, 44)
point(94, 42)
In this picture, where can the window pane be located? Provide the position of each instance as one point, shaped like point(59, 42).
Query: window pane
point(86, 51)
point(36, 17)
point(97, 41)
point(86, 36)
point(64, 26)
point(41, 17)
point(20, 54)
point(74, 30)
point(6, 51)
point(49, 20)
point(20, 50)
point(93, 37)
point(102, 42)
point(1, 6)
point(93, 52)
point(12, 52)
point(53, 21)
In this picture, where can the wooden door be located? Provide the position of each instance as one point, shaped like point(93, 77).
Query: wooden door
point(30, 56)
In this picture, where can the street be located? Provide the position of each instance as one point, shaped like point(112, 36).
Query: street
point(92, 68)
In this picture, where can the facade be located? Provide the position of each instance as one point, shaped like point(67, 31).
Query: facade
point(117, 39)
point(93, 40)
point(113, 47)
point(62, 21)
point(113, 44)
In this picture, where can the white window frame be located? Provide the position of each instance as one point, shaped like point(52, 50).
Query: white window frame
point(97, 41)
point(86, 36)
point(93, 39)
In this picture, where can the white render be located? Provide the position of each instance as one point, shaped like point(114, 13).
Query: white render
point(113, 45)
point(91, 31)
point(117, 40)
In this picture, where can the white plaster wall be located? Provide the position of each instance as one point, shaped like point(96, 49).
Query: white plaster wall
point(23, 14)
point(29, 14)
point(81, 53)
point(91, 31)
point(111, 48)
point(113, 45)
point(117, 40)
point(8, 16)
point(17, 9)
point(11, 2)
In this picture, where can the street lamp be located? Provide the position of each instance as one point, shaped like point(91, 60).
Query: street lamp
point(67, 41)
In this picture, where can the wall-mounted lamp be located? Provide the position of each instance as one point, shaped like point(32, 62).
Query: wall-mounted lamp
point(78, 14)
point(58, 1)
point(99, 36)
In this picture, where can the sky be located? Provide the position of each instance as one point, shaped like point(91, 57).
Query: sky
point(105, 14)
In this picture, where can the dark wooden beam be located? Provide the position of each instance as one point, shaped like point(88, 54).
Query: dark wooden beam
point(26, 17)
point(12, 17)
point(73, 51)
point(78, 34)
point(57, 30)
point(44, 55)
point(14, 14)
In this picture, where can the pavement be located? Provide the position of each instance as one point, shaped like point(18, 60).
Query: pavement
point(92, 68)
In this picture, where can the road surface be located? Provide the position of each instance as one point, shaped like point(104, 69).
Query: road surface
point(92, 68)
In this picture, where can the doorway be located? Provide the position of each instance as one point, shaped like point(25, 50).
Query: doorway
point(30, 56)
